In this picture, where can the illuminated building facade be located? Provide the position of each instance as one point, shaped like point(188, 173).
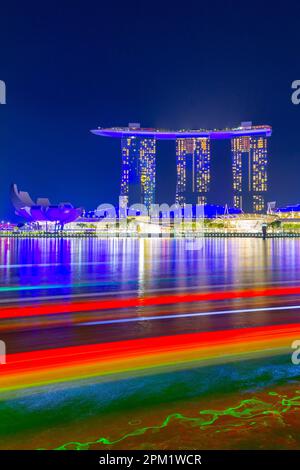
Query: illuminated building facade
point(138, 170)
point(259, 181)
point(148, 171)
point(192, 154)
point(249, 171)
point(249, 163)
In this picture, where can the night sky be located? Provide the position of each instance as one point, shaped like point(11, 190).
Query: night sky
point(73, 66)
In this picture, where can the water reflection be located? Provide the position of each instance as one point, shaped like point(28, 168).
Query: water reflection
point(143, 264)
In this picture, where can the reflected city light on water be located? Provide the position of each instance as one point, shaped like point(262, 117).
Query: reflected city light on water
point(125, 343)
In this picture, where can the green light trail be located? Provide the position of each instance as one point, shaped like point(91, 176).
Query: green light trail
point(244, 413)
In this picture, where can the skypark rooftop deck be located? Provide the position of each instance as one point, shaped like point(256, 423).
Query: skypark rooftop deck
point(165, 134)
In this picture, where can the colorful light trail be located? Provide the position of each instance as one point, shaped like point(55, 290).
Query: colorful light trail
point(35, 368)
point(245, 414)
point(191, 315)
point(175, 351)
point(92, 305)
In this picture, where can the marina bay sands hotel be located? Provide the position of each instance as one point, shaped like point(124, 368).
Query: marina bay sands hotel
point(193, 157)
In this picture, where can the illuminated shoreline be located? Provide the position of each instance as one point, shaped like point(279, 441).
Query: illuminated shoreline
point(117, 235)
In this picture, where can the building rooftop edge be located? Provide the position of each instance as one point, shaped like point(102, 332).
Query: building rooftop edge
point(119, 132)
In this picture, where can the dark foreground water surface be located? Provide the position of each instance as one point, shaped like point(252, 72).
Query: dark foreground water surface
point(149, 344)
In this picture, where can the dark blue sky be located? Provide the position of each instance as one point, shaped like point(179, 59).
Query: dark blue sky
point(72, 66)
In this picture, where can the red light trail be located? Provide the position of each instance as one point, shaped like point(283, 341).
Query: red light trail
point(94, 305)
point(42, 367)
